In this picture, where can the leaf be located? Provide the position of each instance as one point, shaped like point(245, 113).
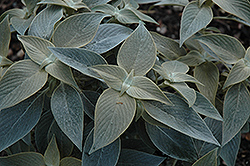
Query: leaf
point(239, 73)
point(203, 106)
point(108, 37)
point(172, 2)
point(227, 48)
point(145, 89)
point(193, 58)
point(18, 121)
point(13, 13)
point(208, 74)
point(240, 8)
point(4, 37)
point(79, 59)
point(21, 80)
point(113, 75)
point(20, 24)
point(140, 15)
point(209, 159)
point(193, 19)
point(188, 93)
point(168, 47)
point(235, 112)
point(126, 16)
point(89, 99)
point(61, 72)
point(73, 4)
point(64, 144)
point(181, 77)
point(23, 159)
point(180, 117)
point(36, 48)
point(52, 154)
point(105, 156)
point(43, 24)
point(31, 5)
point(137, 55)
point(70, 161)
point(172, 143)
point(92, 3)
point(230, 150)
point(134, 157)
point(67, 108)
point(104, 8)
point(83, 28)
point(175, 67)
point(113, 115)
point(247, 55)
point(201, 2)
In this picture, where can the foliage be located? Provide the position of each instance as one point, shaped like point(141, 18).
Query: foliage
point(93, 91)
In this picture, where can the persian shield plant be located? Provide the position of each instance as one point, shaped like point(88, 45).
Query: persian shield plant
point(91, 90)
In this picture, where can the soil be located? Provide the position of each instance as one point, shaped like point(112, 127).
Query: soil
point(168, 18)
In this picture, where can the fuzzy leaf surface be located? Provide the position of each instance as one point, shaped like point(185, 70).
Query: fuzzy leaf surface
point(113, 115)
point(107, 155)
point(208, 159)
point(138, 52)
point(235, 112)
point(70, 161)
point(172, 143)
point(145, 89)
point(17, 121)
point(79, 59)
point(4, 37)
point(180, 117)
point(43, 24)
point(22, 80)
point(193, 19)
point(227, 48)
point(52, 154)
point(67, 108)
point(80, 28)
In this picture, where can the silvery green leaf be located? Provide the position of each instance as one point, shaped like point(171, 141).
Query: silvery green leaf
point(93, 3)
point(83, 28)
point(193, 19)
point(20, 81)
point(145, 89)
point(239, 72)
point(127, 82)
point(20, 24)
point(13, 13)
point(175, 67)
point(138, 158)
point(142, 16)
point(181, 77)
point(70, 161)
point(4, 37)
point(208, 159)
point(180, 117)
point(61, 72)
point(240, 8)
point(151, 120)
point(137, 55)
point(168, 47)
point(52, 154)
point(107, 155)
point(247, 54)
point(193, 58)
point(234, 18)
point(208, 74)
point(19, 120)
point(181, 87)
point(23, 159)
point(201, 2)
point(146, 1)
point(113, 75)
point(230, 150)
point(113, 115)
point(79, 59)
point(203, 106)
point(67, 108)
point(43, 24)
point(172, 2)
point(227, 48)
point(235, 112)
point(31, 5)
point(36, 48)
point(107, 37)
point(126, 16)
point(65, 3)
point(105, 8)
point(89, 99)
point(172, 143)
